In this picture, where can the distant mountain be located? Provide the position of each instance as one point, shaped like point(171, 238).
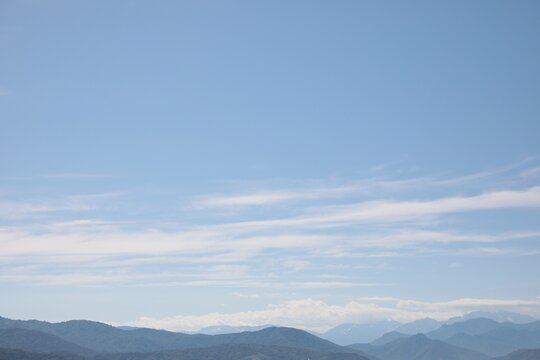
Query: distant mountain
point(350, 333)
point(488, 336)
point(419, 347)
point(419, 326)
point(526, 354)
point(499, 316)
point(388, 337)
point(224, 329)
point(470, 327)
point(498, 342)
point(37, 341)
point(346, 334)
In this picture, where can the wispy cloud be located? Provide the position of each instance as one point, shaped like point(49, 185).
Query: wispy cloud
point(531, 172)
point(398, 211)
point(269, 197)
point(74, 176)
point(331, 232)
point(70, 203)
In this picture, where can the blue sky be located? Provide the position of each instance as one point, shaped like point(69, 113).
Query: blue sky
point(181, 164)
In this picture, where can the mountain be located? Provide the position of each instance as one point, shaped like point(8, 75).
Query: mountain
point(388, 337)
point(37, 341)
point(488, 336)
point(419, 347)
point(88, 334)
point(350, 333)
point(499, 316)
point(280, 336)
point(224, 329)
point(104, 338)
point(345, 334)
point(498, 342)
point(222, 352)
point(419, 326)
point(526, 354)
point(470, 327)
point(13, 354)
point(236, 352)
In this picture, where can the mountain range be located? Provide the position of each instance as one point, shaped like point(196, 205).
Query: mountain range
point(470, 339)
point(419, 347)
point(346, 334)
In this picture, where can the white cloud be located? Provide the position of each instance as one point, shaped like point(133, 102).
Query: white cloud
point(397, 211)
point(322, 232)
point(72, 203)
point(268, 197)
point(317, 315)
point(531, 172)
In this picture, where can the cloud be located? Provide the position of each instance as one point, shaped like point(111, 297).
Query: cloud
point(71, 203)
point(268, 197)
point(319, 234)
point(531, 172)
point(384, 211)
point(100, 244)
point(317, 315)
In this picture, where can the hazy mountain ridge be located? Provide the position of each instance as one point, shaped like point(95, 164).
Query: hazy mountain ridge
point(490, 337)
point(469, 327)
point(474, 339)
point(346, 334)
point(419, 347)
point(388, 337)
point(481, 337)
point(352, 333)
point(498, 341)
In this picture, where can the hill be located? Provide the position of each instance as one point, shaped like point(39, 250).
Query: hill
point(92, 335)
point(236, 352)
point(13, 354)
point(37, 341)
point(221, 352)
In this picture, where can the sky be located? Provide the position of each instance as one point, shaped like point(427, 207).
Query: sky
point(182, 164)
